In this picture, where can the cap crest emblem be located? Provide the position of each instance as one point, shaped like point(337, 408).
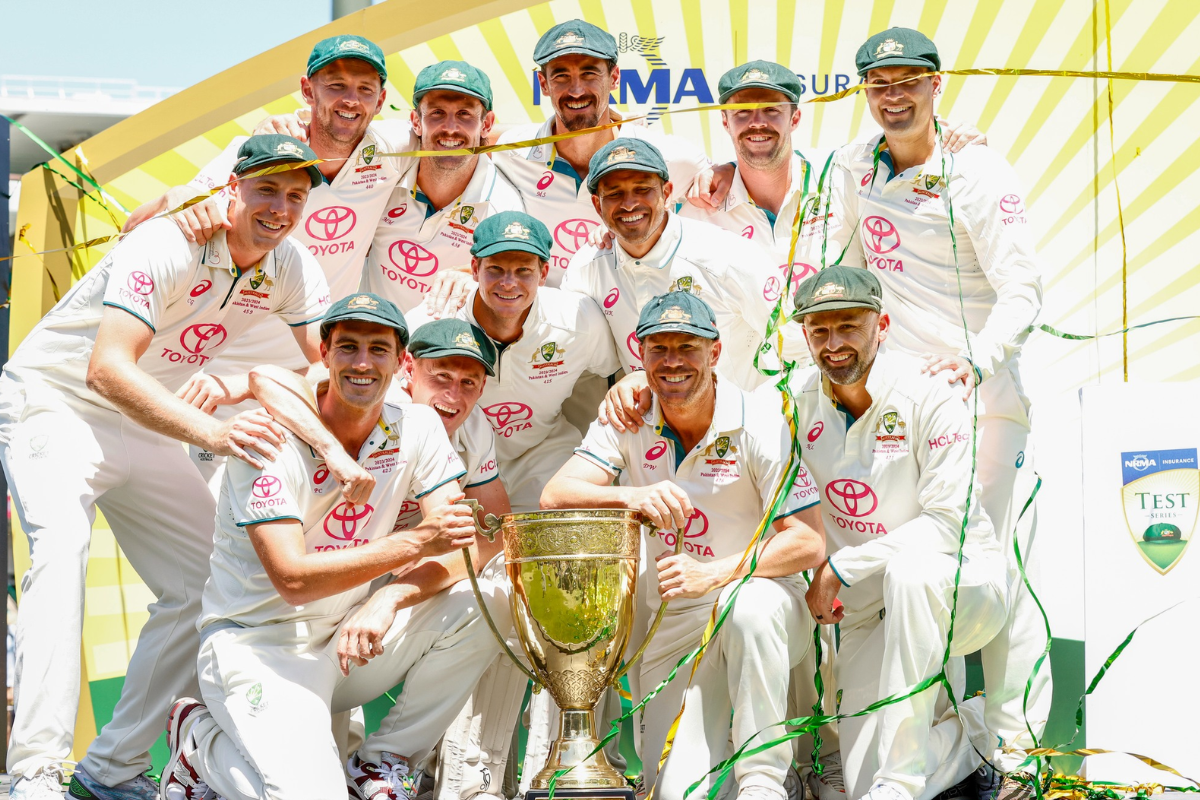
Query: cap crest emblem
point(516, 230)
point(621, 153)
point(889, 47)
point(454, 74)
point(755, 74)
point(288, 149)
point(353, 44)
point(569, 38)
point(362, 301)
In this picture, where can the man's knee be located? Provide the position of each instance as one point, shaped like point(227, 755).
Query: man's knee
point(918, 572)
point(759, 617)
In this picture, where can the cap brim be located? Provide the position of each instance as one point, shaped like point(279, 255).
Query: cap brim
point(366, 316)
point(676, 327)
point(583, 51)
point(758, 85)
point(320, 65)
point(508, 246)
point(457, 88)
point(833, 305)
point(899, 61)
point(447, 352)
point(314, 174)
point(594, 178)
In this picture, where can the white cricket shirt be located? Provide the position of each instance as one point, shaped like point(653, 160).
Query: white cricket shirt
point(413, 240)
point(564, 336)
point(339, 221)
point(896, 478)
point(734, 277)
point(902, 224)
point(408, 454)
point(558, 196)
point(191, 296)
point(730, 475)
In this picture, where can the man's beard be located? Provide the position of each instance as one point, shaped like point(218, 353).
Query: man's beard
point(852, 372)
point(771, 160)
point(580, 120)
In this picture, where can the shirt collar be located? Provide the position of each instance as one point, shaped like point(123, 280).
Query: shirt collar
point(879, 379)
point(663, 251)
point(729, 414)
point(931, 169)
point(739, 194)
point(214, 254)
point(542, 152)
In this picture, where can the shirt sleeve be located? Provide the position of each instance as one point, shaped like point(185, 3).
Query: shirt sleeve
point(263, 495)
point(942, 447)
point(147, 269)
point(436, 461)
point(215, 173)
point(839, 205)
point(594, 327)
point(771, 445)
point(993, 208)
point(602, 446)
point(305, 293)
point(684, 161)
point(486, 470)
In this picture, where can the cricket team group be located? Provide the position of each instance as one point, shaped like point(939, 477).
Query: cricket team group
point(278, 396)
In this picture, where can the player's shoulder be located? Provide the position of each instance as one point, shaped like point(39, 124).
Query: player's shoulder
point(476, 433)
point(524, 132)
point(857, 154)
point(718, 250)
point(671, 147)
point(159, 234)
point(291, 253)
point(591, 257)
point(909, 382)
point(416, 419)
point(502, 193)
point(978, 165)
point(393, 134)
point(571, 311)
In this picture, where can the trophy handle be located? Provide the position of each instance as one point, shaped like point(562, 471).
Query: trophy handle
point(493, 525)
point(662, 609)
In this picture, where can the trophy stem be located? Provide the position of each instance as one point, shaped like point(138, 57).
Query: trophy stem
point(571, 748)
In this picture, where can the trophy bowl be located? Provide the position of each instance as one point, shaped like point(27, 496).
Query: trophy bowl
point(573, 576)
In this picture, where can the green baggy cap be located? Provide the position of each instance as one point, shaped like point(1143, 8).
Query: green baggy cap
point(453, 337)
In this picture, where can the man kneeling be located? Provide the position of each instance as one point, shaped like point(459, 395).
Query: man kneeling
point(705, 466)
point(290, 630)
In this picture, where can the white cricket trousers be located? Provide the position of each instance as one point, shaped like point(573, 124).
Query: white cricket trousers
point(899, 744)
point(745, 671)
point(272, 691)
point(1006, 472)
point(63, 457)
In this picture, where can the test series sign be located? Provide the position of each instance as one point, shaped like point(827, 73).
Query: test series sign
point(1159, 494)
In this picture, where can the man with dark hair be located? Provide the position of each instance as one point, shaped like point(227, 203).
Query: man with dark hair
point(291, 632)
point(90, 418)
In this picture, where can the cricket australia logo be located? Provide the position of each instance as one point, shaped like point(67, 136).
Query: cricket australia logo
point(722, 446)
point(368, 154)
point(1158, 493)
point(465, 213)
point(684, 284)
point(548, 350)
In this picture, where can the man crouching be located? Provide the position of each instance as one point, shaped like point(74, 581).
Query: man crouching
point(290, 630)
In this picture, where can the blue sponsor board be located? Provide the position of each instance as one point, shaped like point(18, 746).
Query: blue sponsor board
point(1139, 464)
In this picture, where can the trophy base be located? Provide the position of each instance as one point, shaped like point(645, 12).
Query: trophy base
point(582, 794)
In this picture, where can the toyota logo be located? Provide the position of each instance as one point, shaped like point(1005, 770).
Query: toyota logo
point(266, 486)
point(803, 478)
point(800, 270)
point(344, 520)
point(330, 223)
point(612, 298)
point(697, 514)
point(504, 414)
point(815, 431)
point(404, 517)
point(413, 258)
point(201, 287)
point(851, 497)
point(657, 450)
point(771, 289)
point(880, 235)
point(573, 234)
point(198, 338)
point(1011, 204)
point(632, 343)
point(140, 282)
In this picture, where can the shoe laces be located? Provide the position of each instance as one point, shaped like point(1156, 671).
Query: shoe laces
point(54, 774)
point(831, 774)
point(397, 776)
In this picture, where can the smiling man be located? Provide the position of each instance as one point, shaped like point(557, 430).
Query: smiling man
point(426, 232)
point(291, 631)
point(88, 419)
point(890, 449)
point(964, 298)
point(705, 465)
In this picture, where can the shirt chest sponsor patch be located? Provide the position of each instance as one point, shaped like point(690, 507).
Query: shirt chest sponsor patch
point(891, 435)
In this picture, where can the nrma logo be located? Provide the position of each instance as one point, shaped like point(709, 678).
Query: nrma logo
point(658, 85)
point(1140, 462)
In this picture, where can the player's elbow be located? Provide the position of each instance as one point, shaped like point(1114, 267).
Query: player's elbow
point(294, 589)
point(554, 495)
point(101, 376)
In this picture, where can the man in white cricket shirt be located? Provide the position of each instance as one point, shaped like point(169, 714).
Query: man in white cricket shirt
point(892, 209)
point(291, 632)
point(88, 419)
point(577, 70)
point(655, 251)
point(426, 232)
point(889, 447)
point(706, 465)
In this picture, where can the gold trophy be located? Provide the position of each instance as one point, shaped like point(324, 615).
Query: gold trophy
point(573, 585)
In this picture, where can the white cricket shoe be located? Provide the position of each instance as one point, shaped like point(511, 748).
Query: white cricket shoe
point(180, 780)
point(45, 784)
point(391, 779)
point(829, 785)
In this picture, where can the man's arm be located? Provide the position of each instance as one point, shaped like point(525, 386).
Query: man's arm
point(582, 483)
point(289, 399)
point(114, 374)
point(301, 577)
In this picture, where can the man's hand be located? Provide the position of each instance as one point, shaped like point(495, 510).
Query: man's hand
point(448, 293)
point(822, 596)
point(287, 124)
point(710, 186)
point(626, 402)
point(960, 371)
point(683, 576)
point(206, 392)
point(356, 482)
point(254, 428)
point(956, 136)
point(361, 638)
point(664, 504)
point(445, 529)
point(601, 237)
point(201, 222)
